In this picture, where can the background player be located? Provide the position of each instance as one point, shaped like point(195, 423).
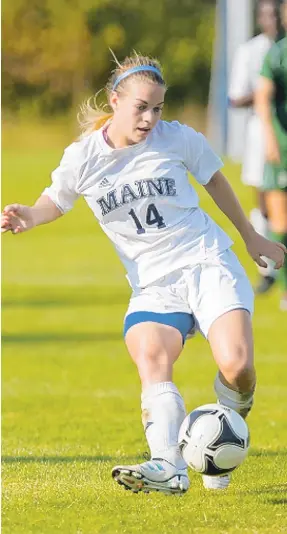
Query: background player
point(271, 106)
point(244, 78)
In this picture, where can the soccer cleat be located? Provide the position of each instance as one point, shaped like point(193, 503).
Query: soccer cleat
point(154, 475)
point(220, 482)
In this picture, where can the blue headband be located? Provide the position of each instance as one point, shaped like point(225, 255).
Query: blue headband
point(133, 70)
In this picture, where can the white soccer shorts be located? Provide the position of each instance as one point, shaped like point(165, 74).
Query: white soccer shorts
point(206, 290)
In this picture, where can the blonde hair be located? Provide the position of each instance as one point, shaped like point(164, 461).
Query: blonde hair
point(93, 116)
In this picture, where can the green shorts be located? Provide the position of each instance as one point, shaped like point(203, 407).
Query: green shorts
point(274, 178)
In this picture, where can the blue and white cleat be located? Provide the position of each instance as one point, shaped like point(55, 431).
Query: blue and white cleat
point(154, 475)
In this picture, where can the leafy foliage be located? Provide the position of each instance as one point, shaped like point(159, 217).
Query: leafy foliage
point(54, 51)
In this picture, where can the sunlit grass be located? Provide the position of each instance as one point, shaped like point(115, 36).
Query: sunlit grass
point(71, 394)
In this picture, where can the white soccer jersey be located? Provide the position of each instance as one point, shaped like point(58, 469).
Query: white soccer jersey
point(244, 80)
point(247, 65)
point(142, 198)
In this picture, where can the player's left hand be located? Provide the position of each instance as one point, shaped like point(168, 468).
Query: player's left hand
point(258, 246)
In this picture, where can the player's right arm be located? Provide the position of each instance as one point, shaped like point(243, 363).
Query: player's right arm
point(19, 218)
point(263, 105)
point(264, 98)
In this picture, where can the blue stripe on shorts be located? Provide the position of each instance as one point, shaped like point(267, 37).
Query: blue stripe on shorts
point(183, 322)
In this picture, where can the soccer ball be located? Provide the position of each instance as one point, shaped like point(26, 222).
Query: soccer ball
point(213, 439)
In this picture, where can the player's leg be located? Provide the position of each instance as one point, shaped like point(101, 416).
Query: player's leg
point(231, 342)
point(223, 305)
point(154, 340)
point(276, 201)
point(154, 348)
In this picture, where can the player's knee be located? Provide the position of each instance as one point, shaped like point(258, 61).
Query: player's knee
point(154, 358)
point(239, 370)
point(154, 365)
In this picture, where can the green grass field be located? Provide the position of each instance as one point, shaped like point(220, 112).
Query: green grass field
point(71, 395)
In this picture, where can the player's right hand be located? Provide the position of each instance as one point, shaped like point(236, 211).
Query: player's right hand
point(16, 218)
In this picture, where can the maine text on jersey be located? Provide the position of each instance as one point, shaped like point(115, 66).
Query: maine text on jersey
point(140, 189)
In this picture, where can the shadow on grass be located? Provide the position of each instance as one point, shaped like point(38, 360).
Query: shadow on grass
point(47, 337)
point(69, 459)
point(59, 459)
point(262, 490)
point(261, 453)
point(75, 299)
point(278, 501)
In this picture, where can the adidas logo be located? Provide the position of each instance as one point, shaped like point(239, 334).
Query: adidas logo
point(104, 183)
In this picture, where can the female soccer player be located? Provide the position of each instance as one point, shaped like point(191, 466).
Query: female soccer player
point(271, 105)
point(133, 173)
point(245, 73)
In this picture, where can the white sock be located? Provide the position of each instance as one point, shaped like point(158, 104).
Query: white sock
point(240, 402)
point(162, 414)
point(260, 224)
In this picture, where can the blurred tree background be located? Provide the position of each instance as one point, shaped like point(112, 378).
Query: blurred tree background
point(55, 52)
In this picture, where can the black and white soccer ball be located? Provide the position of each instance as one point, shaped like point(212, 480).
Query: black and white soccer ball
point(213, 439)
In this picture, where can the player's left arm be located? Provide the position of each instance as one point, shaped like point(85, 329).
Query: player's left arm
point(240, 93)
point(223, 195)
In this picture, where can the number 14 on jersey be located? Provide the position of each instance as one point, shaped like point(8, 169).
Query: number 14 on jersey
point(152, 217)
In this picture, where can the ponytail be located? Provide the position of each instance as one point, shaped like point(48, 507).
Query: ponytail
point(92, 116)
